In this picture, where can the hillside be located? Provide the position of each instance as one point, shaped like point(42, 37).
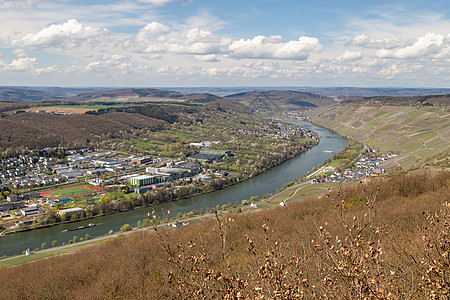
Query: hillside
point(281, 100)
point(125, 95)
point(417, 132)
point(333, 247)
point(340, 92)
point(39, 130)
point(355, 92)
point(34, 130)
point(142, 95)
point(16, 94)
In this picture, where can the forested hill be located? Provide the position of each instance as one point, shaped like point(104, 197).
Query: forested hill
point(281, 100)
point(38, 130)
point(125, 94)
point(260, 100)
point(15, 94)
point(428, 100)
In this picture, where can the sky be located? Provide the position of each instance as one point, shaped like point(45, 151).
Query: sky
point(215, 43)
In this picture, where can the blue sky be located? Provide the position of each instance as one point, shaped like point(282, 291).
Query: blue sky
point(153, 43)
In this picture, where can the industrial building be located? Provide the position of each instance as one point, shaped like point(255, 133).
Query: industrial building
point(142, 180)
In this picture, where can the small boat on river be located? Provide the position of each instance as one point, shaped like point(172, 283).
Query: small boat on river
point(80, 227)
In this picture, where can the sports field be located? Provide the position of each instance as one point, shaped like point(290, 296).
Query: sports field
point(71, 191)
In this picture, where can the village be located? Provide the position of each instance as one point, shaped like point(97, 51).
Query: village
point(278, 130)
point(365, 166)
point(24, 180)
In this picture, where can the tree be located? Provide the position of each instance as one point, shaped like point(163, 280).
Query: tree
point(43, 245)
point(125, 227)
point(54, 243)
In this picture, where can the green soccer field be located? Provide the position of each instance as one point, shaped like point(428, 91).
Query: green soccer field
point(72, 191)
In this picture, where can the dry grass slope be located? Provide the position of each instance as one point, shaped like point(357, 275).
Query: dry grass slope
point(386, 239)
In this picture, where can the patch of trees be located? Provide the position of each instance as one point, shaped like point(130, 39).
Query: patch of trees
point(43, 130)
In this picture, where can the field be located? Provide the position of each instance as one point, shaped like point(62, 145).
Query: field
point(73, 109)
point(71, 191)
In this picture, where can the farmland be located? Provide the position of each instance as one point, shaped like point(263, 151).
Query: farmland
point(72, 109)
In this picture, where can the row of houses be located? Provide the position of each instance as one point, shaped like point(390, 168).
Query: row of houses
point(366, 166)
point(209, 155)
point(278, 130)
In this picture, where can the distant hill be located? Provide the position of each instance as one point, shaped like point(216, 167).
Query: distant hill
point(357, 93)
point(142, 95)
point(429, 100)
point(338, 92)
point(281, 100)
point(201, 97)
point(125, 95)
point(14, 94)
point(200, 94)
point(229, 104)
point(39, 94)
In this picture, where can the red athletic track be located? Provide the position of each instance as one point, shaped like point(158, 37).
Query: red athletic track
point(50, 194)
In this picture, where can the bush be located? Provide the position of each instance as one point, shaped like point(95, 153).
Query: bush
point(125, 227)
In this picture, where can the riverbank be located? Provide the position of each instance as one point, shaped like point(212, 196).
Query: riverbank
point(264, 184)
point(228, 183)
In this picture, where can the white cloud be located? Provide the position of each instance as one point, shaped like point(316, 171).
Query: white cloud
point(108, 67)
point(349, 56)
point(48, 70)
point(189, 41)
point(424, 45)
point(273, 47)
point(68, 35)
point(20, 52)
point(396, 69)
point(18, 4)
point(206, 58)
point(22, 64)
point(151, 31)
point(364, 41)
point(162, 2)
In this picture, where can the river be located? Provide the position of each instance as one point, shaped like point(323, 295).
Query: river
point(267, 182)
